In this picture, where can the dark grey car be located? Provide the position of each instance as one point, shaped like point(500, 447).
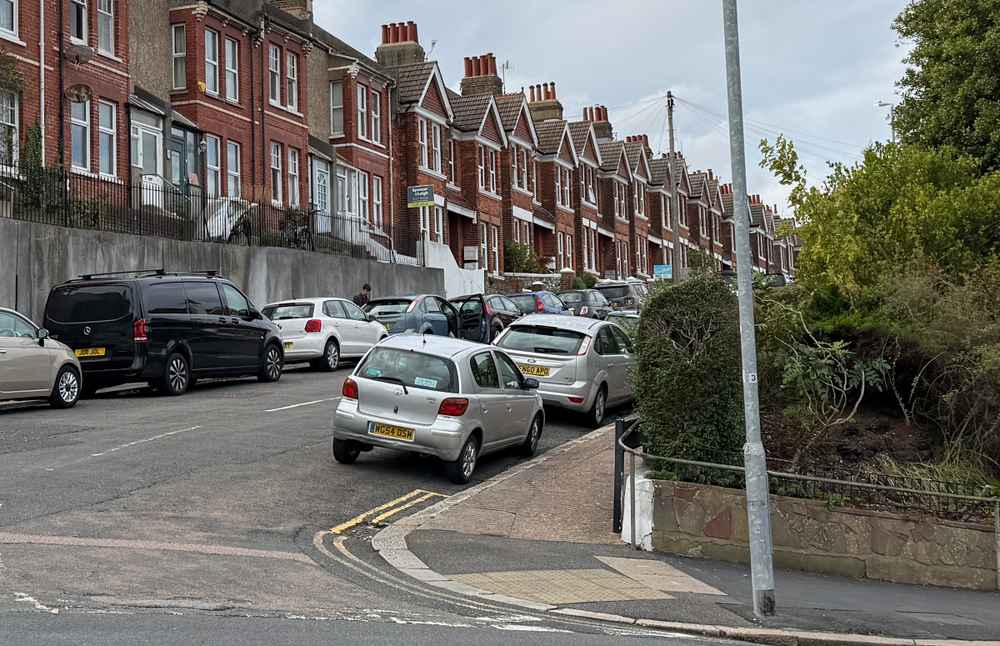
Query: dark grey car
point(586, 302)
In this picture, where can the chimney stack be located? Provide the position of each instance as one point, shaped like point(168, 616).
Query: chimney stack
point(544, 103)
point(301, 9)
point(400, 45)
point(481, 76)
point(602, 126)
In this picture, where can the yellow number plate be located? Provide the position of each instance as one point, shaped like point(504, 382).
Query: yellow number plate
point(288, 345)
point(533, 371)
point(91, 352)
point(392, 432)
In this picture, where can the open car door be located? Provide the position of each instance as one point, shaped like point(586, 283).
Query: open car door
point(472, 318)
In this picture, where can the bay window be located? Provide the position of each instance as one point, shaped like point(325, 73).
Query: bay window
point(179, 53)
point(560, 244)
point(422, 137)
point(292, 78)
point(436, 148)
point(377, 203)
point(336, 108)
point(211, 61)
point(363, 196)
point(493, 170)
point(452, 153)
point(482, 166)
point(362, 101)
point(376, 117)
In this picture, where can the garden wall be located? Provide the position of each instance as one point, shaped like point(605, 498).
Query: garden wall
point(710, 522)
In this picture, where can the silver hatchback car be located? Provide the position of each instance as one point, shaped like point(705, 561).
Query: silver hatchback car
point(449, 398)
point(582, 364)
point(33, 366)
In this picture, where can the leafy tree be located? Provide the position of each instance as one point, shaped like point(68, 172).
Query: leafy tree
point(950, 89)
point(521, 259)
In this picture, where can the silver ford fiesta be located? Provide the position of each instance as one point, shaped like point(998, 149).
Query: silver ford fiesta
point(452, 399)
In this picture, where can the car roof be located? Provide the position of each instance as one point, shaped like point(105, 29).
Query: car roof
point(444, 346)
point(402, 297)
point(119, 279)
point(561, 321)
point(314, 300)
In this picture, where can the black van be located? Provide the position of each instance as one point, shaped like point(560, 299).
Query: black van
point(165, 329)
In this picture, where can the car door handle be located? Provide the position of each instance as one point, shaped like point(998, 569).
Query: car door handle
point(3, 352)
point(235, 321)
point(222, 320)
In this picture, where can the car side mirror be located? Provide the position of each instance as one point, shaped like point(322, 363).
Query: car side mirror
point(41, 336)
point(530, 383)
point(254, 315)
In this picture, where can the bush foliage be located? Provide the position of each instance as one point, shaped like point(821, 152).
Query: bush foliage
point(521, 259)
point(687, 382)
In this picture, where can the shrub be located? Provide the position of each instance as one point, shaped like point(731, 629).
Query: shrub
point(589, 280)
point(578, 283)
point(521, 259)
point(688, 388)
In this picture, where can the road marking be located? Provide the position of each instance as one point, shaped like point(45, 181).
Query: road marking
point(392, 512)
point(148, 439)
point(312, 403)
point(26, 598)
point(360, 518)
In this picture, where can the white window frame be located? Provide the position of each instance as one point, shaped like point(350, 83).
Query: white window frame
point(452, 152)
point(482, 166)
point(436, 163)
point(179, 56)
point(702, 225)
point(85, 124)
point(484, 246)
point(234, 171)
point(112, 133)
point(439, 224)
point(362, 105)
point(363, 196)
point(524, 168)
point(375, 105)
point(277, 177)
point(568, 189)
point(336, 108)
point(640, 192)
point(211, 62)
point(274, 75)
point(377, 213)
point(106, 21)
point(559, 191)
point(292, 80)
point(495, 247)
point(560, 245)
point(515, 175)
point(232, 50)
point(14, 125)
point(422, 138)
point(425, 223)
point(14, 20)
point(569, 251)
point(294, 178)
point(493, 170)
point(213, 172)
point(75, 6)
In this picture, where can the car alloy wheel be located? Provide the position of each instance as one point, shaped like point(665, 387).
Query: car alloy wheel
point(177, 374)
point(600, 403)
point(69, 387)
point(468, 459)
point(272, 363)
point(332, 355)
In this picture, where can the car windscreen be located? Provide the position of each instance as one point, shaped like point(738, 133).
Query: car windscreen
point(414, 369)
point(381, 308)
point(541, 340)
point(287, 311)
point(614, 291)
point(571, 298)
point(89, 303)
point(524, 302)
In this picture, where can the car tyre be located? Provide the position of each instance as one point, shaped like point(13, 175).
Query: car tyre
point(595, 417)
point(331, 356)
point(67, 389)
point(345, 451)
point(273, 363)
point(176, 377)
point(534, 434)
point(460, 471)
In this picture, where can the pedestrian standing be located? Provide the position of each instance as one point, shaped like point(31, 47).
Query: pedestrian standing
point(362, 299)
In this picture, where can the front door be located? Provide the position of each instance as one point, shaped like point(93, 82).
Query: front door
point(321, 195)
point(147, 156)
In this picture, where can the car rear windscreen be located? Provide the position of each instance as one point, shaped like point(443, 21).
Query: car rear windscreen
point(614, 291)
point(381, 308)
point(289, 311)
point(524, 302)
point(413, 369)
point(541, 340)
point(89, 303)
point(571, 298)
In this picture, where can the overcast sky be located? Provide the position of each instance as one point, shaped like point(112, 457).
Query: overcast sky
point(812, 69)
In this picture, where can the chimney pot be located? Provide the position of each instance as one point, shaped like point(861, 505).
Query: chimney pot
point(531, 93)
point(385, 34)
point(477, 66)
point(412, 31)
point(394, 32)
point(553, 90)
point(468, 67)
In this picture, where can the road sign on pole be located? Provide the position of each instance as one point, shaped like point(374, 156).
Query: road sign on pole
point(418, 197)
point(754, 460)
point(662, 272)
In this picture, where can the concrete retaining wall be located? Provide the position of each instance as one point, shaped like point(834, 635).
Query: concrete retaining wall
point(34, 257)
point(711, 522)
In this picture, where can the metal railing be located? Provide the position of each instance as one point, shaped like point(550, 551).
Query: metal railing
point(153, 206)
point(943, 500)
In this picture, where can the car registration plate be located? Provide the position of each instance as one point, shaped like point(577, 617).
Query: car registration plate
point(392, 432)
point(289, 344)
point(83, 353)
point(533, 371)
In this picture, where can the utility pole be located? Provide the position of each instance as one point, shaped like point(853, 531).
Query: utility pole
point(754, 459)
point(676, 268)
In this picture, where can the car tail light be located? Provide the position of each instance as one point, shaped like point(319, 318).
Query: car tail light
point(454, 407)
point(539, 305)
point(576, 400)
point(140, 331)
point(350, 389)
point(584, 346)
point(313, 326)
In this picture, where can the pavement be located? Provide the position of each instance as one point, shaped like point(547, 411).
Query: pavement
point(537, 537)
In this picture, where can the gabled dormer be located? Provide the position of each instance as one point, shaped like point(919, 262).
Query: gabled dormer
point(617, 176)
point(480, 132)
point(638, 159)
point(585, 141)
point(558, 154)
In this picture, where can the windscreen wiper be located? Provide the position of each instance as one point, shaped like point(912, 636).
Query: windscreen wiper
point(394, 380)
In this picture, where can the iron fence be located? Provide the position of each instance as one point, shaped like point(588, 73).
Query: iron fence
point(152, 206)
point(846, 488)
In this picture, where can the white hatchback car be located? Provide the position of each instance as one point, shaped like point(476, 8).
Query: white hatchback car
point(323, 331)
point(33, 366)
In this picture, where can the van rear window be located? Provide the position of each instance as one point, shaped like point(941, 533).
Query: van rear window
point(89, 303)
point(614, 291)
point(414, 369)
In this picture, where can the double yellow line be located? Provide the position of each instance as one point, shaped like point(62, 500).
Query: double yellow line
point(382, 512)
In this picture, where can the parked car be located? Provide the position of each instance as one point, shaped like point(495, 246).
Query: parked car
point(623, 295)
point(165, 329)
point(33, 366)
point(323, 331)
point(627, 320)
point(586, 302)
point(539, 303)
point(582, 364)
point(423, 314)
point(482, 318)
point(449, 398)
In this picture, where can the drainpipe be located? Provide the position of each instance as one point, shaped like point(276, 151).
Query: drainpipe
point(62, 81)
point(41, 73)
point(264, 102)
point(392, 175)
point(253, 131)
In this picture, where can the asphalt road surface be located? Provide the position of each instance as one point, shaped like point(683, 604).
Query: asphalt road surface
point(136, 518)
